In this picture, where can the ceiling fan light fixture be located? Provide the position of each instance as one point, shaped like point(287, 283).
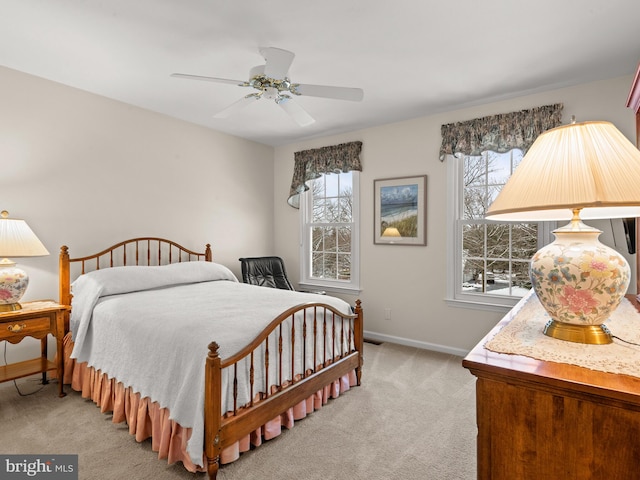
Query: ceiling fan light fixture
point(271, 93)
point(271, 81)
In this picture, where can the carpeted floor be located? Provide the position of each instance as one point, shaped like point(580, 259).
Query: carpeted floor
point(413, 418)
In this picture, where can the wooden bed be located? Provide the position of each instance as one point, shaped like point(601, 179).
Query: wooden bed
point(224, 428)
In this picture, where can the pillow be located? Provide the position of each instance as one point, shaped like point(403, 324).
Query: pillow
point(116, 280)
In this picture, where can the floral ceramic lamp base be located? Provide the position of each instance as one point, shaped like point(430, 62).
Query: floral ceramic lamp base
point(13, 283)
point(579, 281)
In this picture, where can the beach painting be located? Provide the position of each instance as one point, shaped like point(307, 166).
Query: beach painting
point(400, 210)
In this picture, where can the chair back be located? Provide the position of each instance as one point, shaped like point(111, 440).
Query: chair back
point(265, 272)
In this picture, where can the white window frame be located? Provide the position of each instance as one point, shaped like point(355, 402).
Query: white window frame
point(351, 286)
point(454, 294)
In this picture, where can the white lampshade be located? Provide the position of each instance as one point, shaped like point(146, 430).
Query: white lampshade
point(16, 240)
point(578, 171)
point(391, 232)
point(591, 166)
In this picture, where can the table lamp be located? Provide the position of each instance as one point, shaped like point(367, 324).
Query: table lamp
point(578, 171)
point(16, 240)
point(391, 232)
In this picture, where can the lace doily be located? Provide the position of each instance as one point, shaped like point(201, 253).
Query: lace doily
point(523, 336)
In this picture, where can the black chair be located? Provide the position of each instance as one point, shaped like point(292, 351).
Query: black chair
point(268, 272)
point(265, 272)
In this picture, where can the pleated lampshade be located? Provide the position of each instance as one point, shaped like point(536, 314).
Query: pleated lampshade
point(589, 165)
point(18, 240)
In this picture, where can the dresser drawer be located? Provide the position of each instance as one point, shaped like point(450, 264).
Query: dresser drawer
point(17, 329)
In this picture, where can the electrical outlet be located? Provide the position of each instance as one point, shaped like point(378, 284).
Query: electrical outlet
point(387, 314)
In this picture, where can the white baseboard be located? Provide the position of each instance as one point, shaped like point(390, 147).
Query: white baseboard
point(380, 337)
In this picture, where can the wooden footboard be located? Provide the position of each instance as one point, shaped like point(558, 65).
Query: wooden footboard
point(328, 366)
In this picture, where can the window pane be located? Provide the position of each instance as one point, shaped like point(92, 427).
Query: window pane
point(521, 278)
point(319, 210)
point(499, 167)
point(332, 210)
point(474, 203)
point(524, 241)
point(473, 276)
point(346, 206)
point(332, 185)
point(344, 239)
point(324, 265)
point(330, 239)
point(475, 171)
point(324, 239)
point(317, 239)
point(516, 158)
point(317, 188)
point(498, 277)
point(473, 240)
point(346, 182)
point(492, 193)
point(317, 265)
point(498, 240)
point(344, 267)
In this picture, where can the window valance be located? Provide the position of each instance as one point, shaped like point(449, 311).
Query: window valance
point(499, 133)
point(310, 164)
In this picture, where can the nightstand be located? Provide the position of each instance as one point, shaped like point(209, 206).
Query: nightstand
point(37, 320)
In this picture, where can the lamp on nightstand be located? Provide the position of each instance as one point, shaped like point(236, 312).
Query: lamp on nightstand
point(16, 240)
point(583, 170)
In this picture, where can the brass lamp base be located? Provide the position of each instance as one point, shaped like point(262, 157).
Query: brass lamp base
point(10, 307)
point(591, 334)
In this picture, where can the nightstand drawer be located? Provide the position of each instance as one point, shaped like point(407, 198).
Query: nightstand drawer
point(17, 329)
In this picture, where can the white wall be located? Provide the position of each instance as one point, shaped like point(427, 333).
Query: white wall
point(410, 280)
point(87, 172)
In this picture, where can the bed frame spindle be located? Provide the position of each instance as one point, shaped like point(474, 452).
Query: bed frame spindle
point(266, 368)
point(280, 349)
point(252, 380)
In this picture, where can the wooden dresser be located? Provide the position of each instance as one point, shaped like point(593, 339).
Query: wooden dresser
point(542, 420)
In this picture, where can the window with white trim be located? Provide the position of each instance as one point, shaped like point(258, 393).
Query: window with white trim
point(488, 260)
point(329, 214)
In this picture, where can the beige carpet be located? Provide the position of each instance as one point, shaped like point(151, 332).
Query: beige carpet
point(413, 418)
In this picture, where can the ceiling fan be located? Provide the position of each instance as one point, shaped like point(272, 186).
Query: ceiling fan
point(272, 83)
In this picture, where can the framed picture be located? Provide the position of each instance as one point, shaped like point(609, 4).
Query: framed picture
point(400, 211)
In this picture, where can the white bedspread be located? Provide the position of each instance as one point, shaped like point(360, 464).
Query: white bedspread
point(133, 330)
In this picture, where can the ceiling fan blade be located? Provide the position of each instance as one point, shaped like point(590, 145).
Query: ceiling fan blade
point(296, 112)
point(278, 62)
point(241, 83)
point(339, 93)
point(237, 105)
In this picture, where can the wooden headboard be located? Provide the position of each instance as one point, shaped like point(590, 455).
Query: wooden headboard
point(144, 251)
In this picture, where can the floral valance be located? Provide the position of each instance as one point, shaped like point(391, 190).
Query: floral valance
point(310, 164)
point(499, 133)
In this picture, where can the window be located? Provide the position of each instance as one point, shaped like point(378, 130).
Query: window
point(329, 255)
point(489, 260)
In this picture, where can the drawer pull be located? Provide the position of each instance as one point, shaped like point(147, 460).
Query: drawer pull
point(17, 328)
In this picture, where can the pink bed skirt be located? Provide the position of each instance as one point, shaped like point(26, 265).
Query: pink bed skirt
point(146, 419)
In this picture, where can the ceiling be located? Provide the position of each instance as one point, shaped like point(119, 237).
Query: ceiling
point(412, 58)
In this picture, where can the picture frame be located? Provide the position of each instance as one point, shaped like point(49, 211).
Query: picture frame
point(400, 211)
